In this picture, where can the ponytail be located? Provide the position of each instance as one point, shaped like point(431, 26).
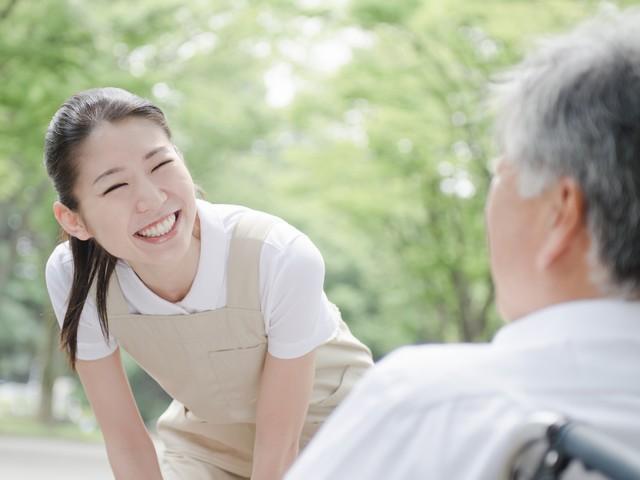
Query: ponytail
point(91, 264)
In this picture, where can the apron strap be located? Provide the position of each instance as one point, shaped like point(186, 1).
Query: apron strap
point(116, 304)
point(243, 264)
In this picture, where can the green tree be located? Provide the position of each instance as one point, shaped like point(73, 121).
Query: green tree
point(360, 122)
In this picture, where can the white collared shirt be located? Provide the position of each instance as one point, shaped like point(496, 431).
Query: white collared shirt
point(298, 316)
point(441, 411)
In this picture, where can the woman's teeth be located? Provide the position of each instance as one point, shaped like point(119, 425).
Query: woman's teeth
point(159, 229)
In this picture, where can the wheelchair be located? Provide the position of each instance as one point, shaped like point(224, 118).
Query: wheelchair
point(550, 447)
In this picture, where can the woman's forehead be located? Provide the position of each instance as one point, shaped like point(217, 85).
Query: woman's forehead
point(120, 141)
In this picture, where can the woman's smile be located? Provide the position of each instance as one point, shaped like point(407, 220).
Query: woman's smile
point(161, 230)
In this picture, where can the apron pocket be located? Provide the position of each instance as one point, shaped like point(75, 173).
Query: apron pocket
point(347, 380)
point(237, 375)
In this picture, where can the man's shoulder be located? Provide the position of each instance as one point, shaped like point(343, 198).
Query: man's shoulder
point(427, 375)
point(433, 362)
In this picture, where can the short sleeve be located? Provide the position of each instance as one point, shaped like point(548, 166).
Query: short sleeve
point(58, 275)
point(298, 315)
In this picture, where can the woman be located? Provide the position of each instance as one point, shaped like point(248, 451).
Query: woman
point(222, 305)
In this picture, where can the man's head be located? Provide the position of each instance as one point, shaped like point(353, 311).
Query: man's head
point(564, 210)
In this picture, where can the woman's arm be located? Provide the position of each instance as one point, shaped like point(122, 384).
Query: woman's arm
point(129, 447)
point(285, 391)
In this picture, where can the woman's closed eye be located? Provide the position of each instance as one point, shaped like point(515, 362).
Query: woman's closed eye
point(113, 187)
point(161, 164)
point(118, 185)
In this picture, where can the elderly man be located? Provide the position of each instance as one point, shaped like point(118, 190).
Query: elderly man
point(563, 217)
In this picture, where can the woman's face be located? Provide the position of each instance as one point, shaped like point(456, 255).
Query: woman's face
point(136, 196)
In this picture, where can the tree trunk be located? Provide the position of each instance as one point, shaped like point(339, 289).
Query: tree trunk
point(48, 368)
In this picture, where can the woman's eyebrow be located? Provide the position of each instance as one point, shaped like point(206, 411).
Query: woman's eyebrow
point(119, 169)
point(108, 172)
point(156, 150)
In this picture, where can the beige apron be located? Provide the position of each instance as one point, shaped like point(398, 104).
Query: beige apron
point(210, 363)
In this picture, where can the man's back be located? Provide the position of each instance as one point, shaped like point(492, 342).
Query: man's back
point(446, 411)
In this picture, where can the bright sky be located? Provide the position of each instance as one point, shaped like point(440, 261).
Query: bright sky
point(311, 48)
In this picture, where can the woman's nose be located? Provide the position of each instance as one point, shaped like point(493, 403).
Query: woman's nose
point(150, 197)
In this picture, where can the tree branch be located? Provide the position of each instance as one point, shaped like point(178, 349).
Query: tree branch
point(6, 11)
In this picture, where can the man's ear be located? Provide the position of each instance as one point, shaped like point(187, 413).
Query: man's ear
point(566, 209)
point(70, 221)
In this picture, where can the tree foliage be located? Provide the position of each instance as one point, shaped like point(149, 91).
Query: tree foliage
point(363, 123)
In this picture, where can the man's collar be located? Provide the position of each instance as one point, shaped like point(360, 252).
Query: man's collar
point(576, 320)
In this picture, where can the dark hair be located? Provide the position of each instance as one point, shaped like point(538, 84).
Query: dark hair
point(70, 126)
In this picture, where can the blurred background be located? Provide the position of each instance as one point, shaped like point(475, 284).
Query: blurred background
point(361, 122)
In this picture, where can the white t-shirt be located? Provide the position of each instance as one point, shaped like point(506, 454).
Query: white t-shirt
point(447, 411)
point(297, 314)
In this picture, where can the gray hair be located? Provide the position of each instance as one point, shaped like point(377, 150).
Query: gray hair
point(572, 109)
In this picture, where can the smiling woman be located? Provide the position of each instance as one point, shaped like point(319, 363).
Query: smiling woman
point(224, 306)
